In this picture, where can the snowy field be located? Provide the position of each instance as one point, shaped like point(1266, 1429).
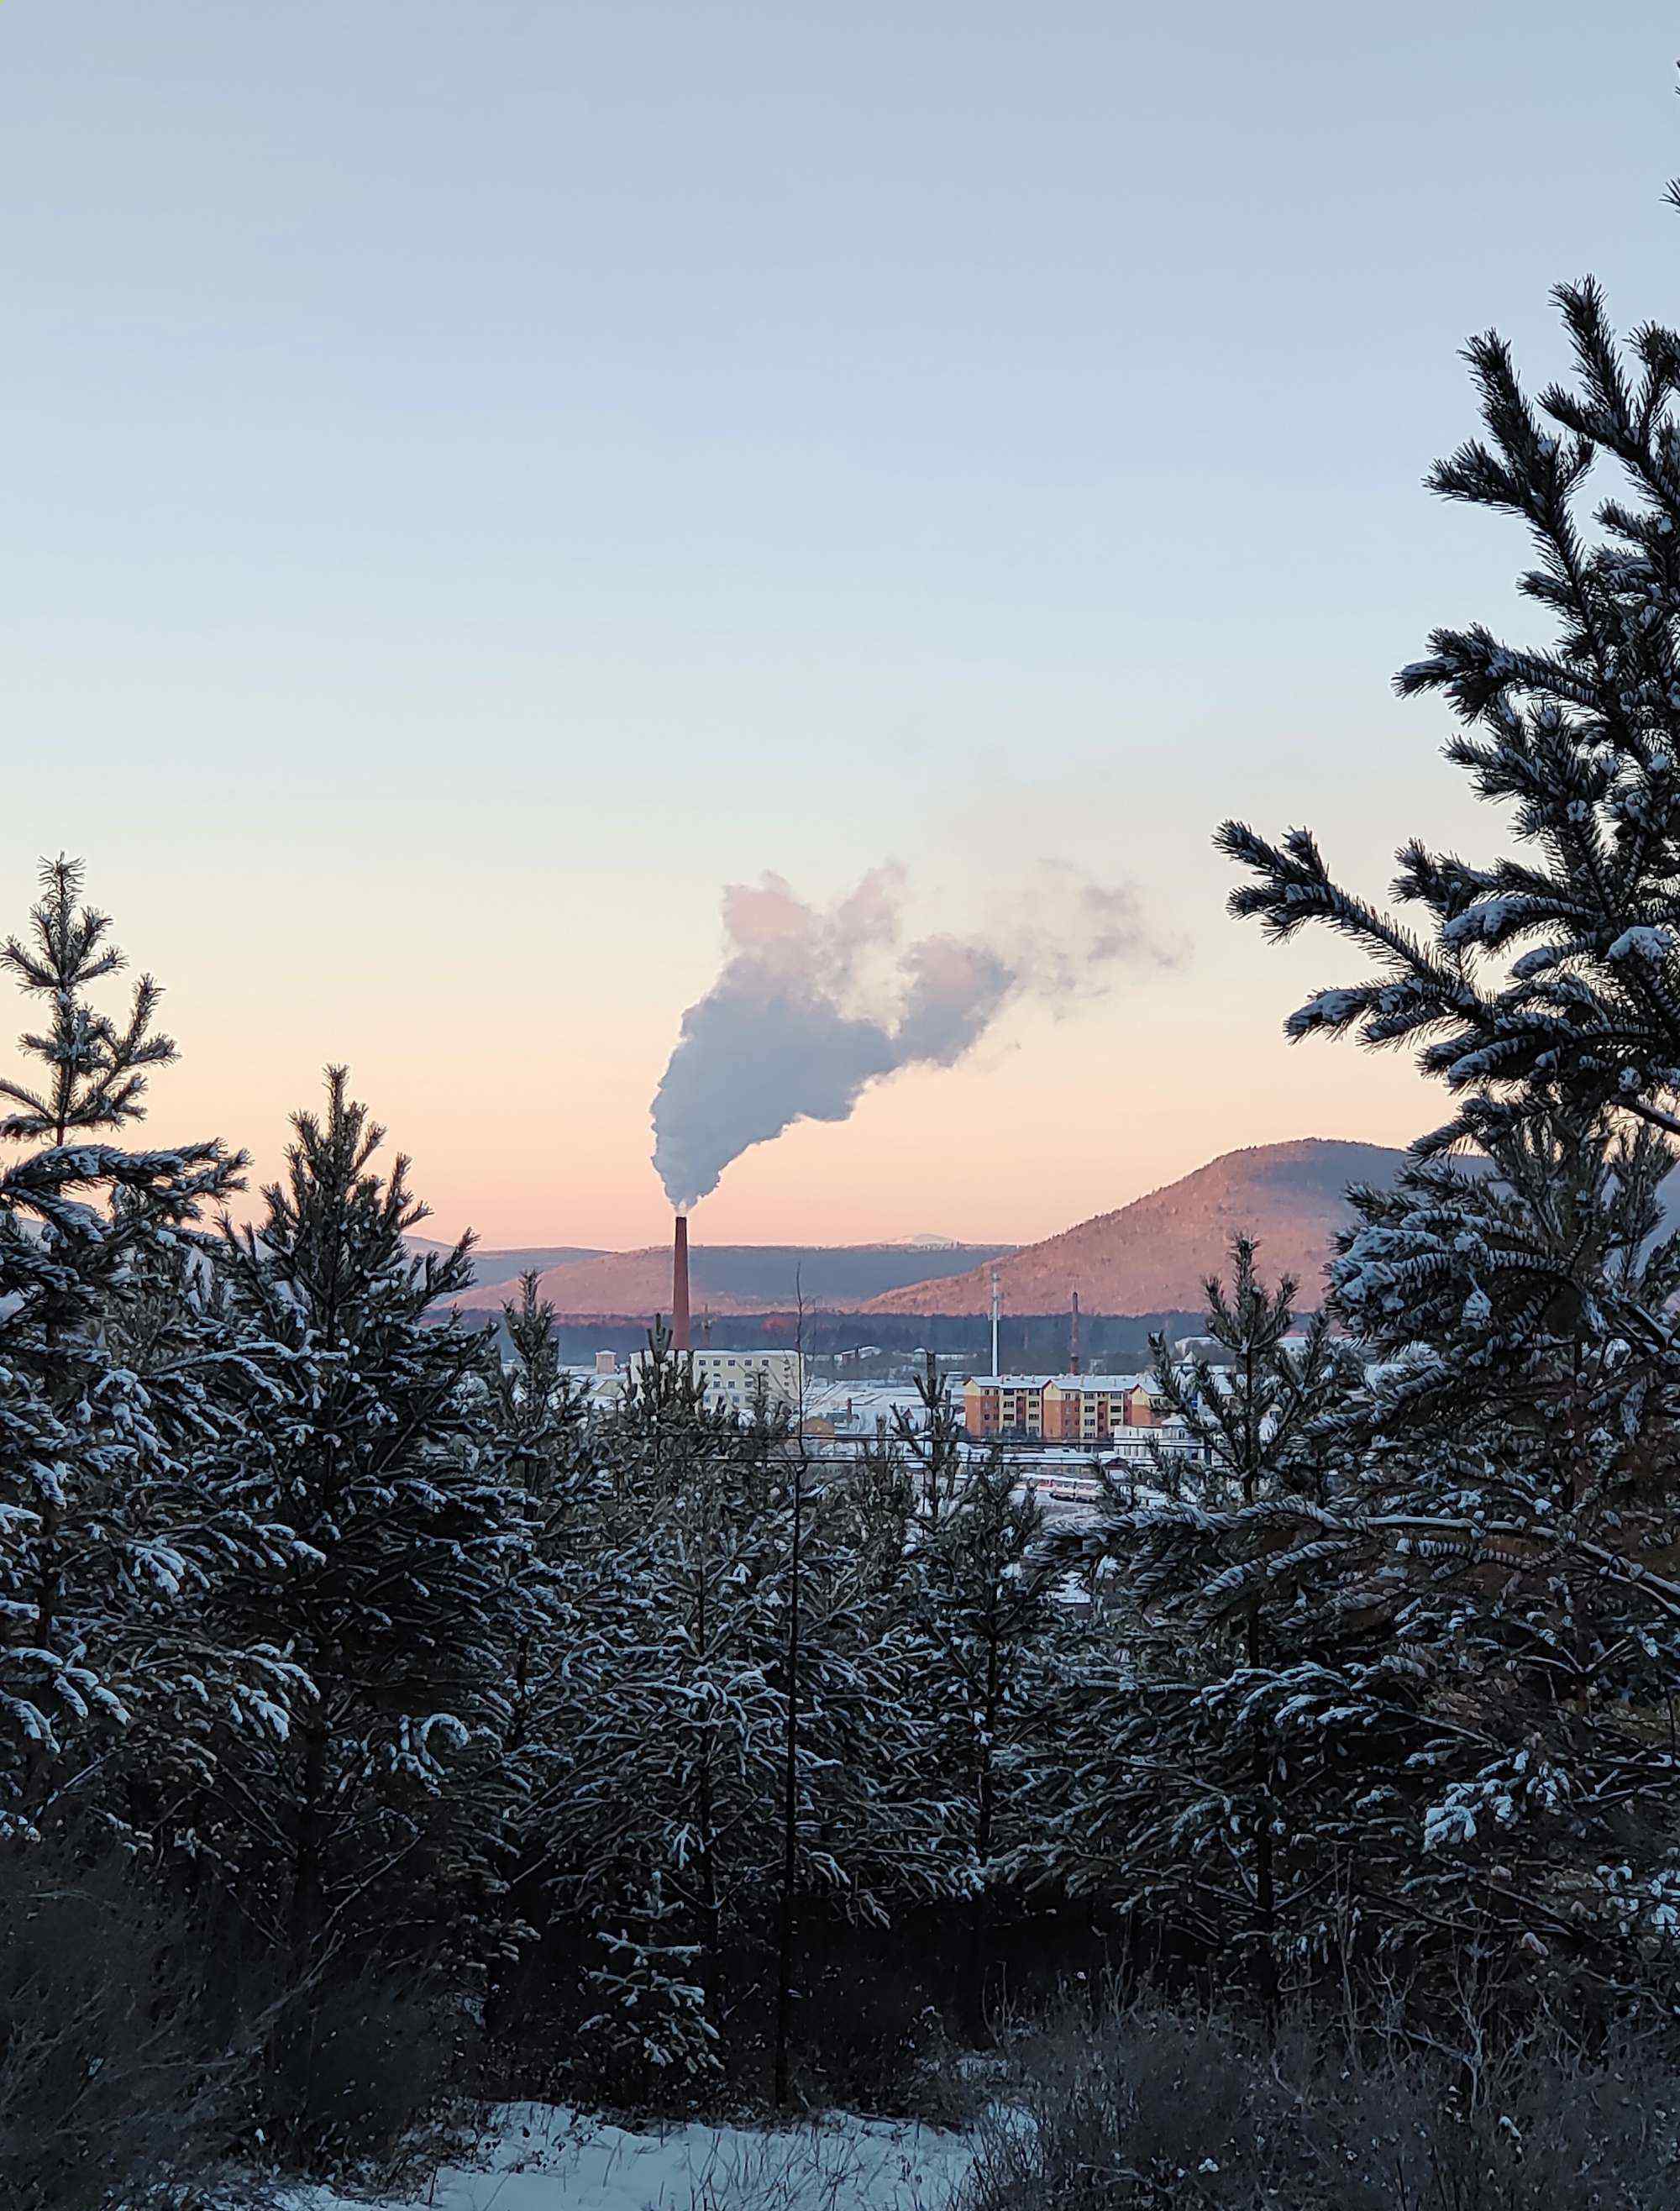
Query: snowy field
point(545, 2158)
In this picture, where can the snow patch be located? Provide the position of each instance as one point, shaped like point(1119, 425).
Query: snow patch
point(538, 2157)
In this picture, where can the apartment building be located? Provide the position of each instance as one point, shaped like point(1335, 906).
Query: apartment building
point(1006, 1405)
point(1089, 1409)
point(741, 1379)
point(1070, 1408)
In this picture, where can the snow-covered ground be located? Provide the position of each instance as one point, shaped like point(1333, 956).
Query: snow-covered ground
point(545, 2157)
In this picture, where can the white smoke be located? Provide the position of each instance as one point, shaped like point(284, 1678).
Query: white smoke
point(812, 1006)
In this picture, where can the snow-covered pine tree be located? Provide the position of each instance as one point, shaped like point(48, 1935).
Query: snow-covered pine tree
point(1515, 1451)
point(385, 1457)
point(662, 1423)
point(661, 1721)
point(187, 1759)
point(930, 1441)
point(1506, 1528)
point(983, 1609)
point(878, 1507)
point(793, 1687)
point(541, 1410)
point(1553, 973)
point(677, 1736)
point(652, 2042)
point(984, 1603)
point(115, 1528)
point(1186, 1786)
point(871, 1824)
point(546, 1439)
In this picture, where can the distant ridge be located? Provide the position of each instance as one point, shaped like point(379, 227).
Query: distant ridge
point(505, 1266)
point(1154, 1254)
point(736, 1278)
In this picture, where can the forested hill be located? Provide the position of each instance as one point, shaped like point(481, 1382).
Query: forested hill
point(505, 1266)
point(1150, 1256)
point(738, 1278)
point(1156, 1252)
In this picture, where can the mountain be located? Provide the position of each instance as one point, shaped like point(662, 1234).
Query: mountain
point(736, 1278)
point(491, 1267)
point(1153, 1255)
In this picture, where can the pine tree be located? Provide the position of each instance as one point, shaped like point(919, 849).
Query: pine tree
point(546, 1445)
point(653, 2041)
point(877, 1505)
point(983, 1608)
point(667, 1722)
point(930, 1441)
point(1192, 1788)
point(547, 1442)
point(384, 1458)
point(540, 1409)
point(1509, 1528)
point(793, 1688)
point(188, 1760)
point(1551, 976)
point(984, 1603)
point(687, 1696)
point(1508, 1510)
point(114, 1533)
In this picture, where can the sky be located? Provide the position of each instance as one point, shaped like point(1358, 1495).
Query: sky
point(481, 478)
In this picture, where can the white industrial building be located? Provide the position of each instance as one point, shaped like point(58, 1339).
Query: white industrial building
point(742, 1381)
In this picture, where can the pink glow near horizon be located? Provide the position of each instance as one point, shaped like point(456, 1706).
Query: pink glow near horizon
point(534, 1131)
point(1009, 1152)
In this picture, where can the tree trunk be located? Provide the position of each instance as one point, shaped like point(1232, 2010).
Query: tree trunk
point(1265, 1889)
point(985, 1793)
point(790, 1812)
point(711, 1941)
point(307, 1868)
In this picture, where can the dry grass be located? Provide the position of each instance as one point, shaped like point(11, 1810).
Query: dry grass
point(1148, 2108)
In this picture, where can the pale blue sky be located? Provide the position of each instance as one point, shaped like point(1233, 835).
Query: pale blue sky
point(480, 476)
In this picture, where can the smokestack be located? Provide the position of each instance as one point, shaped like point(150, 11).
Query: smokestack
point(681, 1337)
point(1073, 1337)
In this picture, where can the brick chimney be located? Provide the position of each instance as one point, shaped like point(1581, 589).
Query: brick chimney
point(681, 1336)
point(1073, 1337)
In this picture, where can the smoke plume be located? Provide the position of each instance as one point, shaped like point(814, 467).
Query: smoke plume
point(813, 1006)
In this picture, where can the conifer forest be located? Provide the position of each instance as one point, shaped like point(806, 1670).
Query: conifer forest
point(384, 1730)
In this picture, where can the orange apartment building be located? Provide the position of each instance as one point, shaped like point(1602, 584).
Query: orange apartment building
point(1004, 1405)
point(1059, 1409)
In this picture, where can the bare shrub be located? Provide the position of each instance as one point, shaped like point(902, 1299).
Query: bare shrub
point(357, 2065)
point(149, 2063)
point(112, 2089)
point(1148, 2109)
point(873, 2041)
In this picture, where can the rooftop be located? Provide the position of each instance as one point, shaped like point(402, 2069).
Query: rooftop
point(1104, 1382)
